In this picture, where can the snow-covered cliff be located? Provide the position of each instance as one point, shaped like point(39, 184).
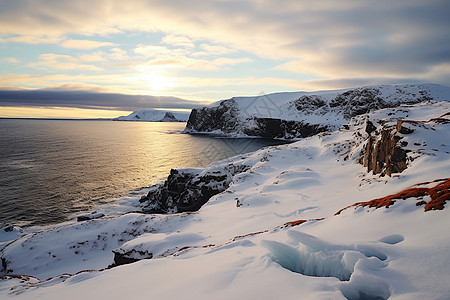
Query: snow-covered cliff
point(303, 114)
point(309, 219)
point(155, 116)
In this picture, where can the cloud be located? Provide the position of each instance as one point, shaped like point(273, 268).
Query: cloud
point(60, 62)
point(213, 50)
point(118, 54)
point(85, 44)
point(31, 39)
point(222, 61)
point(91, 100)
point(165, 57)
point(334, 40)
point(11, 60)
point(159, 51)
point(178, 41)
point(94, 57)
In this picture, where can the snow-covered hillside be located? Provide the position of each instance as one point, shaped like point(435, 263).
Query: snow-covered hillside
point(155, 116)
point(306, 220)
point(302, 114)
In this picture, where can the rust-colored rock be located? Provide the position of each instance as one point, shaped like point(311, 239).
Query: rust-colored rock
point(439, 195)
point(299, 222)
point(294, 223)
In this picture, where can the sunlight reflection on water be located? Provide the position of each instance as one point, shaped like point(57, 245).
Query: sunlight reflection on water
point(52, 169)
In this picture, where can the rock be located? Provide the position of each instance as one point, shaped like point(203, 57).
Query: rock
point(402, 128)
point(277, 116)
point(208, 119)
point(186, 190)
point(309, 103)
point(123, 258)
point(277, 128)
point(382, 154)
point(358, 101)
point(91, 216)
point(370, 127)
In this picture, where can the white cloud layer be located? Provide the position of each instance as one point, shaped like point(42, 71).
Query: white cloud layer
point(336, 40)
point(85, 44)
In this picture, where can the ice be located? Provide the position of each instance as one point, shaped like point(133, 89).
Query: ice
point(307, 262)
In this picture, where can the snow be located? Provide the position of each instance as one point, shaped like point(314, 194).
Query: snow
point(331, 109)
point(155, 116)
point(246, 242)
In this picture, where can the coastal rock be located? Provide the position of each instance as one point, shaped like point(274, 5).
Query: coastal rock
point(186, 190)
point(91, 216)
point(223, 117)
point(282, 129)
point(301, 114)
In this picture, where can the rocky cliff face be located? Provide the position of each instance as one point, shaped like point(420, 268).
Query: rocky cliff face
point(299, 115)
point(186, 190)
point(282, 129)
point(223, 117)
point(383, 153)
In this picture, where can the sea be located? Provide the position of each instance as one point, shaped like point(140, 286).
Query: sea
point(53, 170)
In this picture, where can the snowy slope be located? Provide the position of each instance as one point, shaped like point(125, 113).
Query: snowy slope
point(305, 113)
point(294, 224)
point(155, 116)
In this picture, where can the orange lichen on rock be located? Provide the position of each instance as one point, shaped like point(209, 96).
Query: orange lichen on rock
point(248, 234)
point(298, 222)
point(439, 194)
point(294, 223)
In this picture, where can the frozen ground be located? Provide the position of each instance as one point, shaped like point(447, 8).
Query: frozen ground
point(273, 234)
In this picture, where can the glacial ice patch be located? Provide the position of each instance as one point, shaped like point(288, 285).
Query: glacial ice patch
point(354, 265)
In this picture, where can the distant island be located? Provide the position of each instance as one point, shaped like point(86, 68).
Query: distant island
point(155, 116)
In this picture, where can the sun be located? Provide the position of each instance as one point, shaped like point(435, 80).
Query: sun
point(154, 80)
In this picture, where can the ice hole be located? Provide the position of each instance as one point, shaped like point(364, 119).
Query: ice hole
point(320, 263)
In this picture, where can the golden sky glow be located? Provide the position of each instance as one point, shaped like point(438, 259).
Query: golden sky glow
point(59, 112)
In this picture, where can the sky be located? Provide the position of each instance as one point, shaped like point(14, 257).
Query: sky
point(105, 58)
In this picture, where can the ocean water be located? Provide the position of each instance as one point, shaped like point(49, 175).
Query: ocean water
point(51, 170)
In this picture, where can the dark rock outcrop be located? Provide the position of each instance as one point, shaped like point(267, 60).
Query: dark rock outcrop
point(277, 128)
point(208, 119)
point(358, 101)
point(383, 153)
point(309, 103)
point(188, 190)
point(123, 258)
